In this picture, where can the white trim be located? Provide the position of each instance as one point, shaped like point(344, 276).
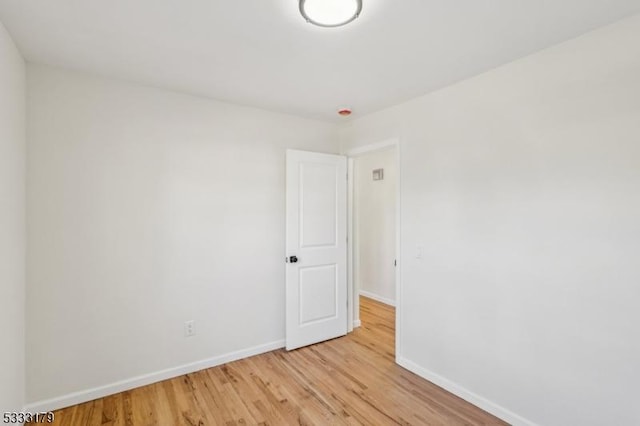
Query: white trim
point(147, 379)
point(460, 391)
point(357, 323)
point(353, 305)
point(362, 150)
point(398, 248)
point(377, 298)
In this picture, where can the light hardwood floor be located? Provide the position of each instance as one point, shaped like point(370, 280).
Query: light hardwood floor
point(350, 380)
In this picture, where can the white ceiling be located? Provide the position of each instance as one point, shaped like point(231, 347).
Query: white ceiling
point(262, 53)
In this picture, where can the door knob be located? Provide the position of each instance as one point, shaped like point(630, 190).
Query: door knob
point(293, 259)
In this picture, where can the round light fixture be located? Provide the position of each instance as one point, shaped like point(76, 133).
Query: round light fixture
point(330, 13)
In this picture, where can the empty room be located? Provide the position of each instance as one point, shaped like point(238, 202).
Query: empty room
point(319, 212)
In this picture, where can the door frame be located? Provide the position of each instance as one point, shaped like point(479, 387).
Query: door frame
point(353, 312)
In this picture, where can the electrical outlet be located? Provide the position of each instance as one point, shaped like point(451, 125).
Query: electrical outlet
point(189, 328)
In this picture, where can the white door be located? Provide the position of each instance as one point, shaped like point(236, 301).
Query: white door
point(316, 248)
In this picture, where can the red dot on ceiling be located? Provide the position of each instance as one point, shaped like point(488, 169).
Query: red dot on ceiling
point(344, 112)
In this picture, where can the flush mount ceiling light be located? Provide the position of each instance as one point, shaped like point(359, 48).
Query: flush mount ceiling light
point(330, 13)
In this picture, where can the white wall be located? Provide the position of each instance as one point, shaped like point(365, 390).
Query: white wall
point(12, 224)
point(374, 204)
point(148, 208)
point(523, 186)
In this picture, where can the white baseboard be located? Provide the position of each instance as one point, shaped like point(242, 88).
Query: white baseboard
point(357, 323)
point(467, 395)
point(377, 298)
point(147, 379)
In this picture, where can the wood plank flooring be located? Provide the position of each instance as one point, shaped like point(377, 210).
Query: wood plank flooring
point(352, 380)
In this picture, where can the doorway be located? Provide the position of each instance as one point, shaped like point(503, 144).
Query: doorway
point(374, 228)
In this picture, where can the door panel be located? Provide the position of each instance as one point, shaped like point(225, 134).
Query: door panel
point(318, 204)
point(316, 284)
point(318, 293)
